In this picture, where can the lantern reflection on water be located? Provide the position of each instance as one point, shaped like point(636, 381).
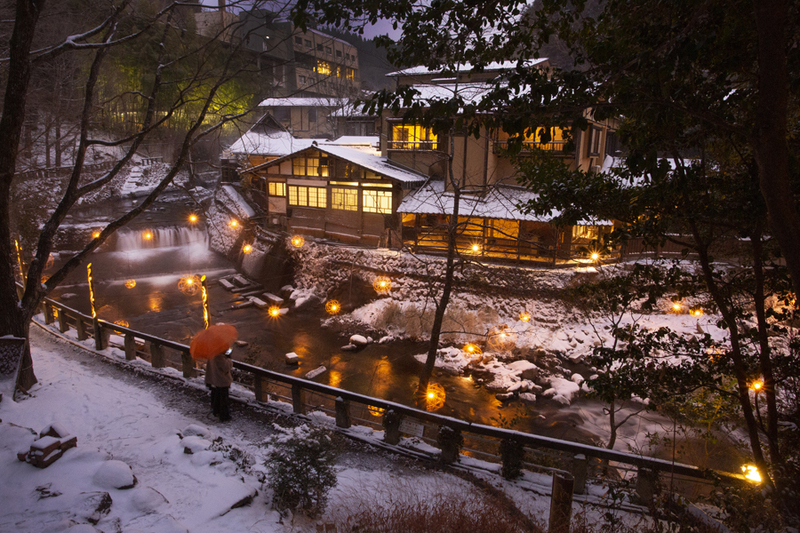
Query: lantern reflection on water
point(298, 241)
point(274, 311)
point(525, 316)
point(123, 323)
point(751, 473)
point(375, 411)
point(189, 285)
point(472, 349)
point(247, 248)
point(501, 338)
point(332, 307)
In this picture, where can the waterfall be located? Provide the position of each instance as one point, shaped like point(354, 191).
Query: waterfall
point(170, 237)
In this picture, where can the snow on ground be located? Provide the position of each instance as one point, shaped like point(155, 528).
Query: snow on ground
point(133, 424)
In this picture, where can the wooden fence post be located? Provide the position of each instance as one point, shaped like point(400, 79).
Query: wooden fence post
point(561, 503)
point(47, 309)
point(450, 441)
point(580, 469)
point(130, 347)
point(646, 484)
point(259, 388)
point(63, 326)
point(391, 426)
point(187, 365)
point(157, 359)
point(99, 339)
point(343, 413)
point(298, 395)
point(80, 328)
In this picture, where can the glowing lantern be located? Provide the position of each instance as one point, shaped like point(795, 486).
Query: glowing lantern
point(298, 241)
point(475, 248)
point(233, 223)
point(696, 311)
point(193, 218)
point(375, 411)
point(123, 323)
point(382, 285)
point(129, 284)
point(274, 311)
point(676, 307)
point(147, 235)
point(332, 307)
point(247, 248)
point(189, 285)
point(472, 349)
point(751, 473)
point(434, 397)
point(525, 316)
point(502, 338)
point(595, 256)
point(757, 385)
point(95, 235)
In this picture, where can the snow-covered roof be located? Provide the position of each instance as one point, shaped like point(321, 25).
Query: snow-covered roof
point(362, 152)
point(356, 140)
point(495, 66)
point(305, 101)
point(275, 143)
point(499, 201)
point(371, 159)
point(470, 92)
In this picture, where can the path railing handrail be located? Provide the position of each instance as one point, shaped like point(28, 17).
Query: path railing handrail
point(99, 329)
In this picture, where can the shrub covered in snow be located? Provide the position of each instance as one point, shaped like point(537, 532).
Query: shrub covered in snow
point(301, 469)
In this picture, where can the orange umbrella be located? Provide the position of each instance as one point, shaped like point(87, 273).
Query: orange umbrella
point(213, 341)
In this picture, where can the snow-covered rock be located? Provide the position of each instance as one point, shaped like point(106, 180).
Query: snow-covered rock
point(114, 475)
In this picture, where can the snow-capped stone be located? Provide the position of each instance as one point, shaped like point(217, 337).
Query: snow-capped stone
point(291, 358)
point(527, 397)
point(114, 474)
point(193, 445)
point(359, 340)
point(147, 499)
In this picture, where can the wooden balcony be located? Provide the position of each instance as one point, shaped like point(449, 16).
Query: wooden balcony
point(556, 148)
point(413, 145)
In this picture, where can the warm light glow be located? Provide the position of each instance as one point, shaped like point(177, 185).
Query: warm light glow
point(757, 385)
point(123, 323)
point(91, 289)
point(502, 338)
point(274, 311)
point(751, 473)
point(96, 235)
point(206, 320)
point(475, 248)
point(676, 306)
point(696, 311)
point(233, 223)
point(247, 248)
point(129, 284)
point(525, 316)
point(298, 241)
point(434, 397)
point(148, 235)
point(332, 307)
point(375, 411)
point(382, 285)
point(189, 285)
point(595, 256)
point(19, 260)
point(472, 349)
point(193, 218)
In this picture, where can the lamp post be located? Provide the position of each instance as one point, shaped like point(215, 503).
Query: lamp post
point(98, 334)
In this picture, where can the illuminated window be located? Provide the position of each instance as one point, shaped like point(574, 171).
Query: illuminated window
point(308, 196)
point(277, 188)
point(351, 74)
point(310, 166)
point(323, 67)
point(504, 229)
point(345, 199)
point(586, 232)
point(377, 201)
point(471, 226)
point(412, 137)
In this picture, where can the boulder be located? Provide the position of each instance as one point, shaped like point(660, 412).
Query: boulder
point(359, 340)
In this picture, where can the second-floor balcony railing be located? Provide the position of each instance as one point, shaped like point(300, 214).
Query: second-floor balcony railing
point(557, 147)
point(413, 145)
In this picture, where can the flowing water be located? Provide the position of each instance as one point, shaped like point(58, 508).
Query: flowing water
point(157, 258)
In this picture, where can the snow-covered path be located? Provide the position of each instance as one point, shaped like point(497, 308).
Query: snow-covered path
point(144, 421)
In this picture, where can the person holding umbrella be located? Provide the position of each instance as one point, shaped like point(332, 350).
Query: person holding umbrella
point(214, 345)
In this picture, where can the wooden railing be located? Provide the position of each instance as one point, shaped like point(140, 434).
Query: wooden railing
point(580, 460)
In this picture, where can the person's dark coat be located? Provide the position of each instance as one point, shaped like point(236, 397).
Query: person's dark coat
point(218, 371)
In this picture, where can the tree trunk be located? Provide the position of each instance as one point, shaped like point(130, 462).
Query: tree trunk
point(770, 147)
point(12, 318)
